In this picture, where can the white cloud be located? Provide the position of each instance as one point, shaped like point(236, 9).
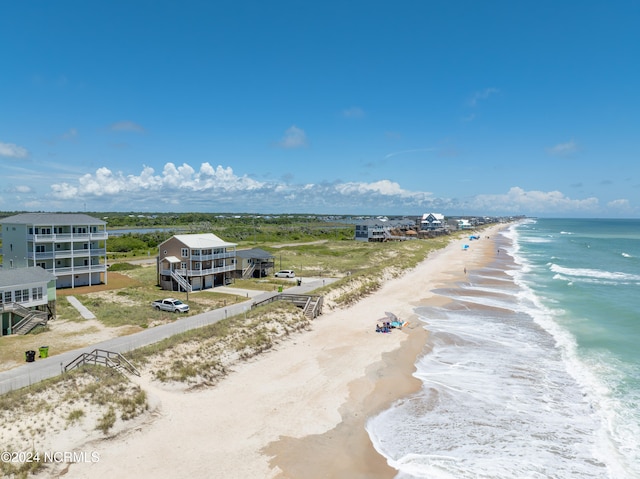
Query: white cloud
point(64, 191)
point(174, 179)
point(563, 149)
point(294, 137)
point(482, 95)
point(353, 112)
point(126, 125)
point(383, 187)
point(13, 151)
point(621, 205)
point(183, 187)
point(517, 200)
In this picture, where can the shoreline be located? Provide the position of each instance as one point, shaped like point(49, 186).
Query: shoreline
point(299, 410)
point(346, 450)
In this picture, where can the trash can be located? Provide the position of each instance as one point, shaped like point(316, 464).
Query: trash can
point(279, 289)
point(44, 351)
point(30, 356)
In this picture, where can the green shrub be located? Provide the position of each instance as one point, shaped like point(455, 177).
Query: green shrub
point(106, 422)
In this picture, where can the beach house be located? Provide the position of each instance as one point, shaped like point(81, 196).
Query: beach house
point(253, 263)
point(70, 246)
point(432, 221)
point(194, 262)
point(382, 229)
point(27, 299)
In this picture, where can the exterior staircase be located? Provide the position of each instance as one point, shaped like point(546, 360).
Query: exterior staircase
point(30, 317)
point(182, 281)
point(310, 304)
point(313, 308)
point(105, 358)
point(248, 271)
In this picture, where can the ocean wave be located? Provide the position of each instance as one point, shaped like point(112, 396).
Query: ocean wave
point(593, 273)
point(537, 240)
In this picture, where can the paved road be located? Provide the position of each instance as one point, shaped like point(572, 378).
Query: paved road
point(40, 369)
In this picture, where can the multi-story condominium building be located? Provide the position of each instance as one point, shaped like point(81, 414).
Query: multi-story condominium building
point(71, 246)
point(195, 262)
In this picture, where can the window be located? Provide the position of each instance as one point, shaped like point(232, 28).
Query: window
point(184, 252)
point(183, 265)
point(36, 293)
point(42, 265)
point(40, 248)
point(18, 296)
point(196, 265)
point(7, 296)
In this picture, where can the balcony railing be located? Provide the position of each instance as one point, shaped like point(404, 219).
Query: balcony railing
point(93, 268)
point(67, 253)
point(190, 273)
point(208, 257)
point(66, 237)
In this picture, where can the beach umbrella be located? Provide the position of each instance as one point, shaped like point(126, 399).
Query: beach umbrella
point(391, 316)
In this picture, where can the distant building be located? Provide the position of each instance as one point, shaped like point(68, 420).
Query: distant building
point(194, 262)
point(464, 224)
point(27, 298)
point(70, 246)
point(432, 221)
point(253, 263)
point(382, 229)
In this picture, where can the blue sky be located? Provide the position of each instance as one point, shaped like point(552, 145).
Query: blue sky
point(361, 107)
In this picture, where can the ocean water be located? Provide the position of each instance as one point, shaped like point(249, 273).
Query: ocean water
point(533, 369)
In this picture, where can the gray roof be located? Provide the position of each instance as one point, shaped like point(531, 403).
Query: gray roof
point(20, 276)
point(255, 253)
point(47, 219)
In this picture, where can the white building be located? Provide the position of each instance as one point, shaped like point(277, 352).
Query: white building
point(71, 246)
point(432, 221)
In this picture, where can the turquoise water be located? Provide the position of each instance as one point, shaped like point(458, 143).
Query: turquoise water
point(533, 369)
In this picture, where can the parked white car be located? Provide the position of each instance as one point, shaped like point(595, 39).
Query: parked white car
point(285, 273)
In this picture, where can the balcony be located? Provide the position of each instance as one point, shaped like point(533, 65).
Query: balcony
point(210, 257)
point(67, 253)
point(67, 237)
point(92, 268)
point(190, 273)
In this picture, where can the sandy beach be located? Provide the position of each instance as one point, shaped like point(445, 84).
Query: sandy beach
point(298, 410)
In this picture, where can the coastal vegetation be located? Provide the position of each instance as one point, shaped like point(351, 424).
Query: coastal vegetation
point(135, 235)
point(90, 399)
